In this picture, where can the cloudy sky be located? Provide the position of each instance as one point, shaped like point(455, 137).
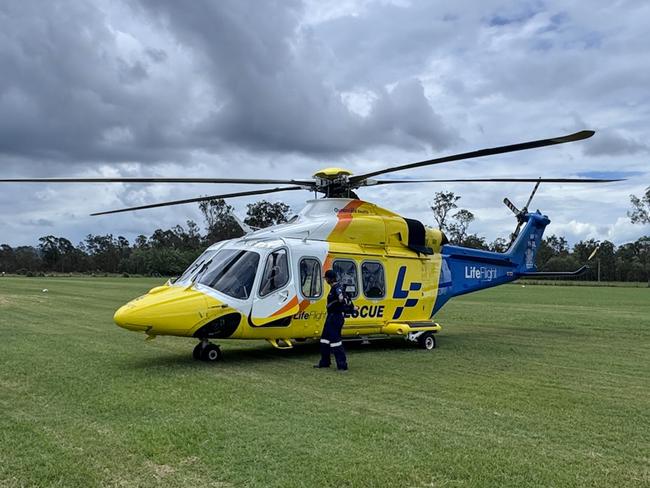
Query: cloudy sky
point(283, 88)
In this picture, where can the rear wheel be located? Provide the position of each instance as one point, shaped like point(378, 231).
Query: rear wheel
point(427, 341)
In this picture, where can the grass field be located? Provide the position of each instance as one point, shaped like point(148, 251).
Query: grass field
point(534, 386)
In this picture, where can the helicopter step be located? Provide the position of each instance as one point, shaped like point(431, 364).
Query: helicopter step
point(420, 333)
point(207, 351)
point(281, 343)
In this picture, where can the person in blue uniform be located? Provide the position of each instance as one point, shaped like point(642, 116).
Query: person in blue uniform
point(330, 340)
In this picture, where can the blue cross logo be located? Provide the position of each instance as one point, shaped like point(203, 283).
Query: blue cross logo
point(401, 293)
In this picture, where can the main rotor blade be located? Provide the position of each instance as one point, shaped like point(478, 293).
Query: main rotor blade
point(251, 181)
point(496, 180)
point(201, 199)
point(584, 134)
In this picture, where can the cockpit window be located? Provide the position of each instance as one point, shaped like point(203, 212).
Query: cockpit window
point(189, 273)
point(276, 272)
point(230, 271)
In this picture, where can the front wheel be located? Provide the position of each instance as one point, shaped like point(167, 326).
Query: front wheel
point(196, 353)
point(427, 341)
point(211, 353)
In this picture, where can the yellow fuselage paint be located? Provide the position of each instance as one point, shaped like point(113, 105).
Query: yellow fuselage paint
point(355, 231)
point(181, 311)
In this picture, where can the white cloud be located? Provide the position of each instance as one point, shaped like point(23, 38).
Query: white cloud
point(123, 88)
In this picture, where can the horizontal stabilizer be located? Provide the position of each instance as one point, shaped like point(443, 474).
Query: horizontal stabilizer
point(558, 274)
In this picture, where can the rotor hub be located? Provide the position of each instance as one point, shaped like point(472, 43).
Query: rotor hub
point(333, 173)
point(333, 182)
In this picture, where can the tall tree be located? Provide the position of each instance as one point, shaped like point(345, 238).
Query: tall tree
point(141, 242)
point(581, 252)
point(458, 227)
point(640, 208)
point(583, 249)
point(499, 245)
point(264, 214)
point(59, 254)
point(219, 220)
point(558, 245)
point(105, 252)
point(443, 203)
point(49, 249)
point(27, 259)
point(7, 259)
point(192, 238)
point(475, 241)
point(544, 253)
point(607, 261)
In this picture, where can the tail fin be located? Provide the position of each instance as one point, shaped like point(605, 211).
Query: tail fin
point(466, 270)
point(524, 249)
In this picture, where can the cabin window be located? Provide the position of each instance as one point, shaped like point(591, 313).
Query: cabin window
point(311, 282)
point(230, 271)
point(346, 274)
point(372, 277)
point(276, 272)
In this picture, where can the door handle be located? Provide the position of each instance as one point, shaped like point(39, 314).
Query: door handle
point(284, 295)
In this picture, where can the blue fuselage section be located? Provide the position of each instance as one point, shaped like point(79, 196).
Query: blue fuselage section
point(465, 270)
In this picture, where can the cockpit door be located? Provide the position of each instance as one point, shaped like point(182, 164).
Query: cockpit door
point(276, 299)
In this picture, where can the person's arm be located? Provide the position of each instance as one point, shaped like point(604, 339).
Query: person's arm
point(339, 297)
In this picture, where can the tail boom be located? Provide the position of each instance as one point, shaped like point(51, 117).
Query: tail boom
point(466, 270)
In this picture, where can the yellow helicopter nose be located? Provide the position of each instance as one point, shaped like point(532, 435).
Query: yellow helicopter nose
point(165, 310)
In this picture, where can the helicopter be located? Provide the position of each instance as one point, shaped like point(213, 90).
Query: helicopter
point(268, 284)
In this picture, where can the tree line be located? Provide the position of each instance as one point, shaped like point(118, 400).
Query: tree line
point(627, 262)
point(168, 252)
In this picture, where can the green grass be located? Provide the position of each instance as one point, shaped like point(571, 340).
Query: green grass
point(578, 282)
point(534, 386)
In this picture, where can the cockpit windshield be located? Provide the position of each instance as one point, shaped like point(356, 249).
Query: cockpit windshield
point(229, 271)
point(188, 275)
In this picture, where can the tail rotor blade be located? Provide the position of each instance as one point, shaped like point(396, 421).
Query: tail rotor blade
point(530, 199)
point(511, 206)
point(514, 235)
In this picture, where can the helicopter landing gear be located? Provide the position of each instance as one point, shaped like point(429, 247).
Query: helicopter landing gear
point(427, 341)
point(206, 351)
point(424, 339)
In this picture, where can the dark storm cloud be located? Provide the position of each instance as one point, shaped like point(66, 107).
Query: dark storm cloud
point(72, 90)
point(66, 92)
point(404, 118)
point(273, 83)
point(262, 88)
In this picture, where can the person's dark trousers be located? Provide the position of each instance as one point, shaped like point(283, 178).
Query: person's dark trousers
point(330, 341)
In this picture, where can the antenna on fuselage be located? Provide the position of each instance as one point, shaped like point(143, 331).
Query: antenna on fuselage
point(244, 226)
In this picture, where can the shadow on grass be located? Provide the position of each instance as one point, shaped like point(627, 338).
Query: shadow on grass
point(464, 342)
point(263, 353)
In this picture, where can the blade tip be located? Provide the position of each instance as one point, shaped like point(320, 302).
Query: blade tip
point(583, 134)
point(576, 136)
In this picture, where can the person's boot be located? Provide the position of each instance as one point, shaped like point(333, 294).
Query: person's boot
point(325, 360)
point(341, 361)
